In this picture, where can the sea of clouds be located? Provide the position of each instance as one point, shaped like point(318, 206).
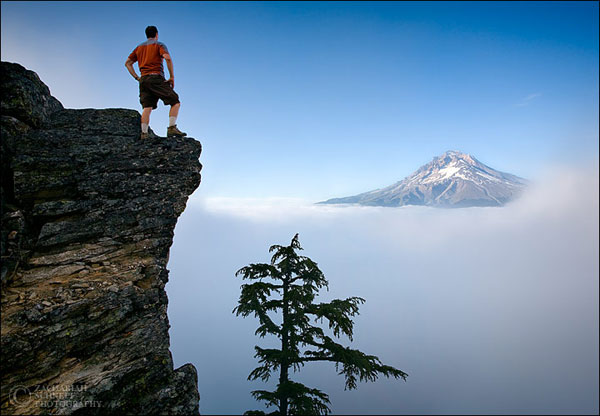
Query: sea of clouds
point(489, 310)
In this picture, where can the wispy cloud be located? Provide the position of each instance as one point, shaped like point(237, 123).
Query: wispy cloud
point(528, 99)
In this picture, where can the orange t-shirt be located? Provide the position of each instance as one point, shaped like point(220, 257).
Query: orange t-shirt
point(149, 57)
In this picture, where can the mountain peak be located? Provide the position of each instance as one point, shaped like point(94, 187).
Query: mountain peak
point(453, 179)
point(456, 153)
point(452, 155)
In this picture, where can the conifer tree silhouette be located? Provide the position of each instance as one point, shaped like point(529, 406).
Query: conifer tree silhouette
point(296, 280)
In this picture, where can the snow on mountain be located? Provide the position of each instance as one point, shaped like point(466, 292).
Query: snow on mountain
point(453, 179)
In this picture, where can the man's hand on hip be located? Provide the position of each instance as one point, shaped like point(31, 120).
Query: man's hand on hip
point(171, 81)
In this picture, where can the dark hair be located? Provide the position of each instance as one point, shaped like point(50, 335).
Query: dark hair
point(151, 31)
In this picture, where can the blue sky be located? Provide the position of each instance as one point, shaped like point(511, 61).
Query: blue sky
point(316, 100)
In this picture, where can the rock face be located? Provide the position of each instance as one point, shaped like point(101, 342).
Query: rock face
point(88, 213)
point(452, 180)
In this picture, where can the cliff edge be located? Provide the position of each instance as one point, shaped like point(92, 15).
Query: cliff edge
point(88, 214)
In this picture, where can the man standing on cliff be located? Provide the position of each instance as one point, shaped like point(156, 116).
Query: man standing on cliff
point(153, 85)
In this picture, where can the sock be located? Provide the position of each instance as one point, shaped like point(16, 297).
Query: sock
point(144, 128)
point(172, 121)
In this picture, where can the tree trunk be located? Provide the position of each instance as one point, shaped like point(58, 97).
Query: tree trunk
point(283, 375)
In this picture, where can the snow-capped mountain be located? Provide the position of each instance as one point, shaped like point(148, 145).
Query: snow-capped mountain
point(453, 179)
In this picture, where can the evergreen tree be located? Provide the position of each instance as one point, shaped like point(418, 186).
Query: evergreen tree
point(295, 281)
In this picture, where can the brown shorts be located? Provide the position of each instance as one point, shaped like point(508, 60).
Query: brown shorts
point(153, 87)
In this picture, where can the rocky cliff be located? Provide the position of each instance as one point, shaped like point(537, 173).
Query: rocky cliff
point(88, 213)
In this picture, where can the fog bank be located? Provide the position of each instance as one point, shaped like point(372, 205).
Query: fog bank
point(489, 310)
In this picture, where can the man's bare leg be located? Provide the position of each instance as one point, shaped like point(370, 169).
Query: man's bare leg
point(173, 112)
point(172, 130)
point(146, 119)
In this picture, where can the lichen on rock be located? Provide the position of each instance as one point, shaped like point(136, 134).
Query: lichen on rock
point(88, 214)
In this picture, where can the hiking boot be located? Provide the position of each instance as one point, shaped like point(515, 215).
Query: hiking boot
point(173, 131)
point(149, 135)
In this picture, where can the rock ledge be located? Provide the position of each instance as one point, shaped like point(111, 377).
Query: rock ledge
point(88, 214)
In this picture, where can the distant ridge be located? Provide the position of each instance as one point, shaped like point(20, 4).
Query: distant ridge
point(452, 180)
